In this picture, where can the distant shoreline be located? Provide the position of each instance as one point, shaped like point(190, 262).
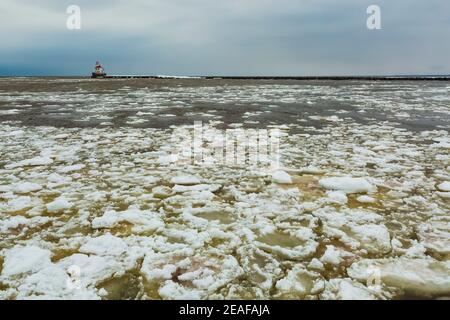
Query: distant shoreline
point(369, 78)
point(304, 78)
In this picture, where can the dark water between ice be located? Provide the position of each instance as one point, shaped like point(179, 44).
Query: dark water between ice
point(161, 103)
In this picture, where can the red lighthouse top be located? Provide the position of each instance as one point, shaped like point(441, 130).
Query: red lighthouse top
point(99, 71)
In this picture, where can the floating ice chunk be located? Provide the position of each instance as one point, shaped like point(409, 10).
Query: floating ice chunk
point(13, 223)
point(435, 235)
point(394, 194)
point(71, 168)
point(161, 192)
point(295, 248)
point(149, 180)
point(53, 283)
point(281, 177)
point(310, 170)
point(417, 250)
point(174, 291)
point(58, 179)
point(347, 184)
point(304, 233)
point(444, 186)
point(365, 199)
point(195, 277)
point(316, 264)
point(19, 260)
point(331, 256)
point(93, 268)
point(194, 238)
point(142, 220)
point(346, 289)
point(345, 217)
point(105, 245)
point(202, 195)
point(185, 180)
point(337, 197)
point(444, 195)
point(442, 143)
point(161, 273)
point(62, 136)
point(402, 115)
point(300, 281)
point(108, 220)
point(421, 276)
point(330, 118)
point(260, 267)
point(5, 189)
point(97, 196)
point(26, 187)
point(58, 205)
point(333, 118)
point(14, 133)
point(37, 161)
point(374, 238)
point(198, 187)
point(20, 203)
point(167, 159)
point(204, 282)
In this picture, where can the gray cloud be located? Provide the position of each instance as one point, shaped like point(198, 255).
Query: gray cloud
point(193, 37)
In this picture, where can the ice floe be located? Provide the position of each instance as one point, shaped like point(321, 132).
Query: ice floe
point(58, 205)
point(416, 276)
point(281, 177)
point(347, 184)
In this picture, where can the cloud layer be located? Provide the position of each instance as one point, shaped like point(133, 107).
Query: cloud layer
point(232, 37)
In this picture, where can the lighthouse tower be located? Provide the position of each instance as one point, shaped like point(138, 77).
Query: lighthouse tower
point(99, 72)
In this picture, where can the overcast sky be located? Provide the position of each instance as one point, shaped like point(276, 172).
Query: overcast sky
point(225, 37)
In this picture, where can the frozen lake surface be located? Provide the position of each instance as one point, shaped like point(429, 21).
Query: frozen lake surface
point(93, 206)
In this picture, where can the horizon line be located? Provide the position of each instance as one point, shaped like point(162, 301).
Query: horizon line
point(252, 77)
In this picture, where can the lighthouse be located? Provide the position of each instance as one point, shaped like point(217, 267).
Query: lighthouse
point(99, 72)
